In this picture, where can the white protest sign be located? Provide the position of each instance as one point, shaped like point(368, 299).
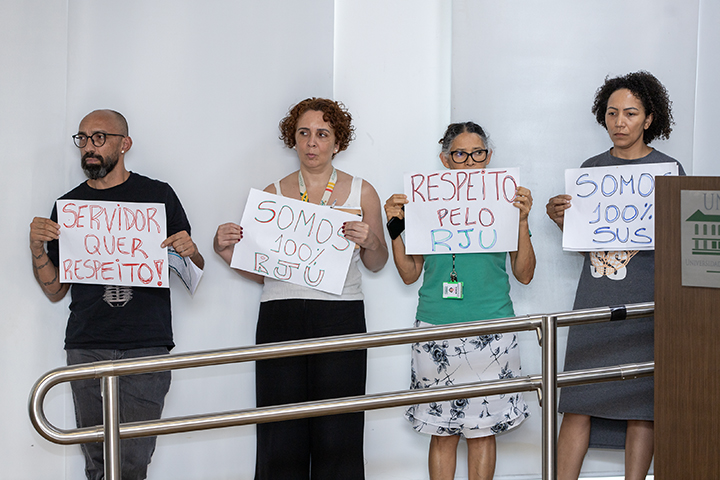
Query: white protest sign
point(461, 211)
point(112, 243)
point(294, 241)
point(613, 208)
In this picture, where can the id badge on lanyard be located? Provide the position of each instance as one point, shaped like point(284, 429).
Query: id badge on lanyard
point(453, 288)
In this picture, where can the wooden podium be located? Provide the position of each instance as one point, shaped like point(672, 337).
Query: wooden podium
point(687, 348)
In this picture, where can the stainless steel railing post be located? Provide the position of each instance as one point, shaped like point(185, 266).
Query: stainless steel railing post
point(111, 423)
point(549, 393)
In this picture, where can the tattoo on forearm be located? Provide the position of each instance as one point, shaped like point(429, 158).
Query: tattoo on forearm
point(36, 272)
point(55, 278)
point(38, 267)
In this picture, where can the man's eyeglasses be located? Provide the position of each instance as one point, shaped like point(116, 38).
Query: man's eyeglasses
point(98, 139)
point(458, 156)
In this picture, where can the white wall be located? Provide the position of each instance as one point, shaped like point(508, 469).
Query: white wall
point(392, 70)
point(707, 100)
point(204, 85)
point(33, 72)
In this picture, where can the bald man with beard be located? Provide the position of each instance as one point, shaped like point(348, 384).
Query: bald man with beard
point(110, 322)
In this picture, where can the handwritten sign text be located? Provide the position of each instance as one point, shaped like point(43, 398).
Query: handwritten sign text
point(294, 241)
point(461, 211)
point(112, 243)
point(612, 208)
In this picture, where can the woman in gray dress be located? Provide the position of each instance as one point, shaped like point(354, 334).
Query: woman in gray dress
point(635, 110)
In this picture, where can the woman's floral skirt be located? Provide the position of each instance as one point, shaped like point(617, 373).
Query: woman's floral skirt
point(465, 360)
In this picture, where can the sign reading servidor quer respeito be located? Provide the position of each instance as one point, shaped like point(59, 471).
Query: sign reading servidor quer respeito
point(461, 211)
point(294, 241)
point(613, 208)
point(112, 243)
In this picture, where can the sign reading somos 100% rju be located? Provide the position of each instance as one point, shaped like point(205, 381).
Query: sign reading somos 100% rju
point(294, 241)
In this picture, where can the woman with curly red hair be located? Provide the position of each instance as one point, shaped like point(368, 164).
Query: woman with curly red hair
point(331, 447)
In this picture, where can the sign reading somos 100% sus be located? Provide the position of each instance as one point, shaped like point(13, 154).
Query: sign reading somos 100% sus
point(461, 211)
point(294, 241)
point(112, 243)
point(612, 208)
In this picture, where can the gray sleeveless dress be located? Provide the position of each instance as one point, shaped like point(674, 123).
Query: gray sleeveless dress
point(613, 278)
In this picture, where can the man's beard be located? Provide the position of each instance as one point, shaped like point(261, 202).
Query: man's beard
point(94, 172)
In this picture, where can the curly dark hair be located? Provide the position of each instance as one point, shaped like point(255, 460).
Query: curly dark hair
point(334, 113)
point(651, 93)
point(455, 129)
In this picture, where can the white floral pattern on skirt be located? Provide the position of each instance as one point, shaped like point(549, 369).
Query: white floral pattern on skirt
point(466, 360)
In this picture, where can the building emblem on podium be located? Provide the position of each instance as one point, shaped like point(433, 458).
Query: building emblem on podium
point(700, 238)
point(706, 238)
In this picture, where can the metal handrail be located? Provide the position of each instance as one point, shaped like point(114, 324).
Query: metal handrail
point(545, 384)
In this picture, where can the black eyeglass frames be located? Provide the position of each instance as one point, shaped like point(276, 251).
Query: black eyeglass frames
point(98, 138)
point(458, 156)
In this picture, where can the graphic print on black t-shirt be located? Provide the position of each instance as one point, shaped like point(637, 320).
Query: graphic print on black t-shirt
point(117, 296)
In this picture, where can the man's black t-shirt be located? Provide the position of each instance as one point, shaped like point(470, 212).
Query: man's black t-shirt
point(115, 317)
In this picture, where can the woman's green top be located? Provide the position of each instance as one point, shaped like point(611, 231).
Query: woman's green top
point(486, 289)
